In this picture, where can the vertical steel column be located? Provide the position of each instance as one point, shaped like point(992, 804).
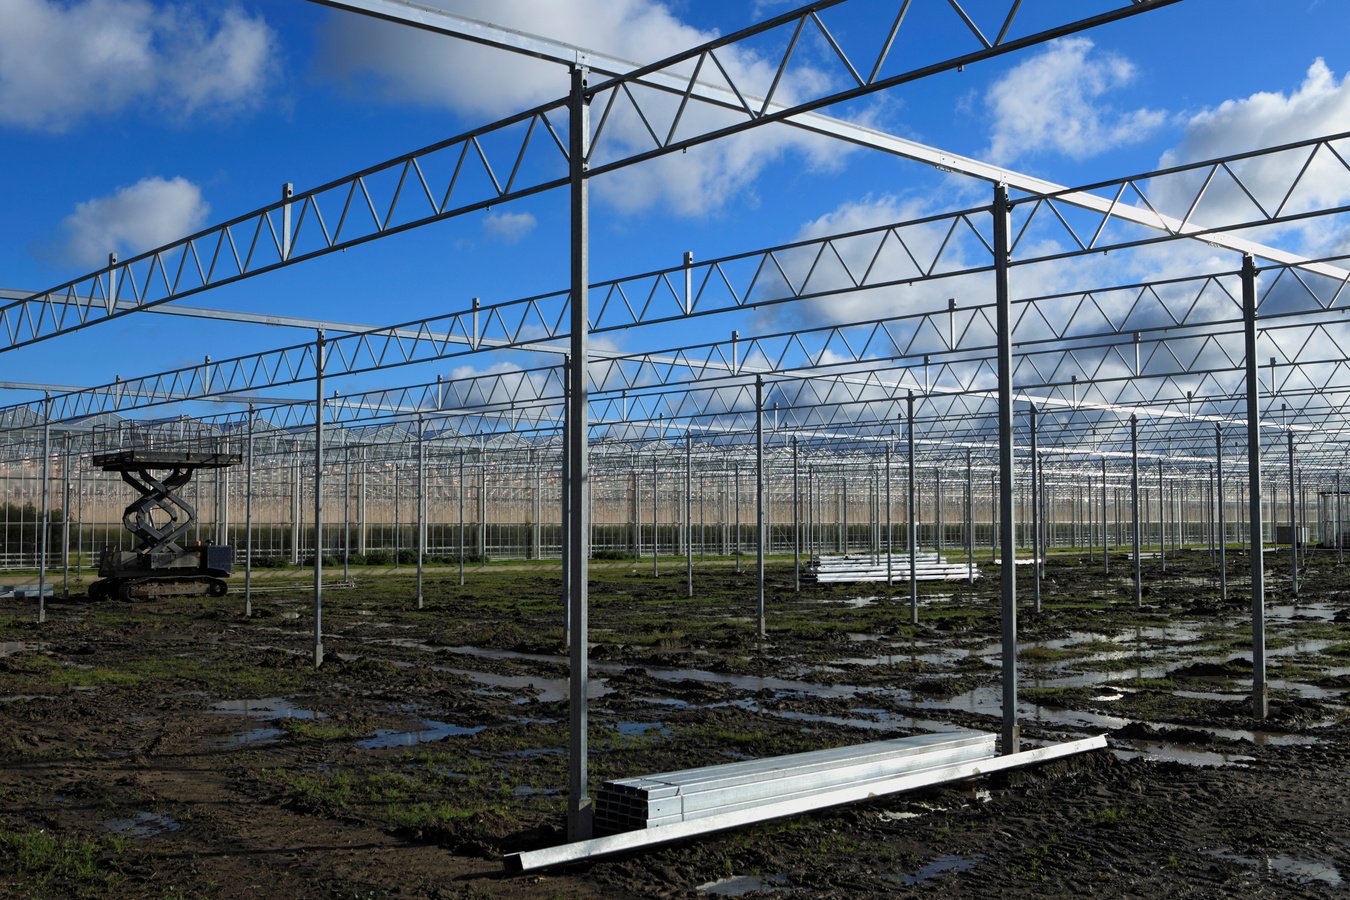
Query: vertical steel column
point(346, 512)
point(1223, 530)
point(689, 513)
point(318, 497)
point(890, 539)
point(970, 521)
point(937, 508)
point(537, 503)
point(1011, 733)
point(579, 811)
point(1036, 549)
point(1106, 532)
point(1293, 518)
point(1134, 508)
point(1340, 536)
point(1260, 698)
point(421, 503)
point(42, 510)
point(482, 509)
point(460, 492)
point(295, 508)
point(736, 490)
point(248, 517)
point(912, 536)
point(796, 522)
point(80, 522)
point(361, 523)
point(65, 520)
point(759, 504)
point(1162, 520)
point(656, 528)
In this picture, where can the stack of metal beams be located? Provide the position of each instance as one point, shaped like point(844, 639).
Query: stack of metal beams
point(670, 797)
point(869, 567)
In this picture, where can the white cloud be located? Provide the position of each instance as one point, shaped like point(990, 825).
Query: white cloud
point(148, 214)
point(60, 63)
point(408, 66)
point(1055, 101)
point(1319, 106)
point(509, 227)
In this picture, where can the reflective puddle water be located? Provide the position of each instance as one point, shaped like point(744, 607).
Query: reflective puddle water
point(143, 825)
point(426, 733)
point(740, 885)
point(1304, 871)
point(937, 868)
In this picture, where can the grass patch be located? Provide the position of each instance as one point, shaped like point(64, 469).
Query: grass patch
point(39, 859)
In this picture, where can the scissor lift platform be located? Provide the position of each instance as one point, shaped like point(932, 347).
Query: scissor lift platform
point(161, 565)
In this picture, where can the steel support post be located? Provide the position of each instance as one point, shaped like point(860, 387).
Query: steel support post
point(460, 492)
point(579, 811)
point(689, 514)
point(1011, 732)
point(1218, 492)
point(565, 505)
point(970, 520)
point(736, 492)
point(80, 522)
point(421, 504)
point(361, 526)
point(1134, 509)
point(912, 535)
point(1162, 520)
point(537, 504)
point(65, 519)
point(937, 509)
point(1106, 531)
point(1340, 535)
point(295, 509)
point(1260, 698)
point(1293, 518)
point(248, 516)
point(890, 540)
point(796, 522)
point(1036, 548)
point(656, 527)
point(482, 509)
point(319, 350)
point(759, 505)
point(42, 507)
point(347, 512)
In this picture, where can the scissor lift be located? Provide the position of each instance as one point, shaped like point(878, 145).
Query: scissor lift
point(161, 565)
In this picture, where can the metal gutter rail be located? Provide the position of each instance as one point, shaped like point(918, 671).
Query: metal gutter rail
point(851, 793)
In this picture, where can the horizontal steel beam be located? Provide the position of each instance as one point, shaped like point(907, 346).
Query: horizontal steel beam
point(866, 790)
point(450, 24)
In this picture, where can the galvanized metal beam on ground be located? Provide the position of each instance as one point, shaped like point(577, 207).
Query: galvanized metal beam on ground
point(867, 790)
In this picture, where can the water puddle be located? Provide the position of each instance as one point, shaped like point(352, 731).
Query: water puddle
point(244, 738)
point(428, 732)
point(637, 729)
point(740, 885)
point(548, 690)
point(9, 648)
point(143, 825)
point(264, 708)
point(1157, 751)
point(1303, 871)
point(937, 868)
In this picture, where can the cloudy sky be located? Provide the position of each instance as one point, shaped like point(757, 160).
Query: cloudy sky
point(128, 123)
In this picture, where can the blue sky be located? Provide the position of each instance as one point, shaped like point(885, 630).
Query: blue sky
point(124, 121)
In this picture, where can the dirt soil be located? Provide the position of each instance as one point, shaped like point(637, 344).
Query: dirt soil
point(176, 748)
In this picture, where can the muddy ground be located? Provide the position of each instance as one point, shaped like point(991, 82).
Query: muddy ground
point(175, 748)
